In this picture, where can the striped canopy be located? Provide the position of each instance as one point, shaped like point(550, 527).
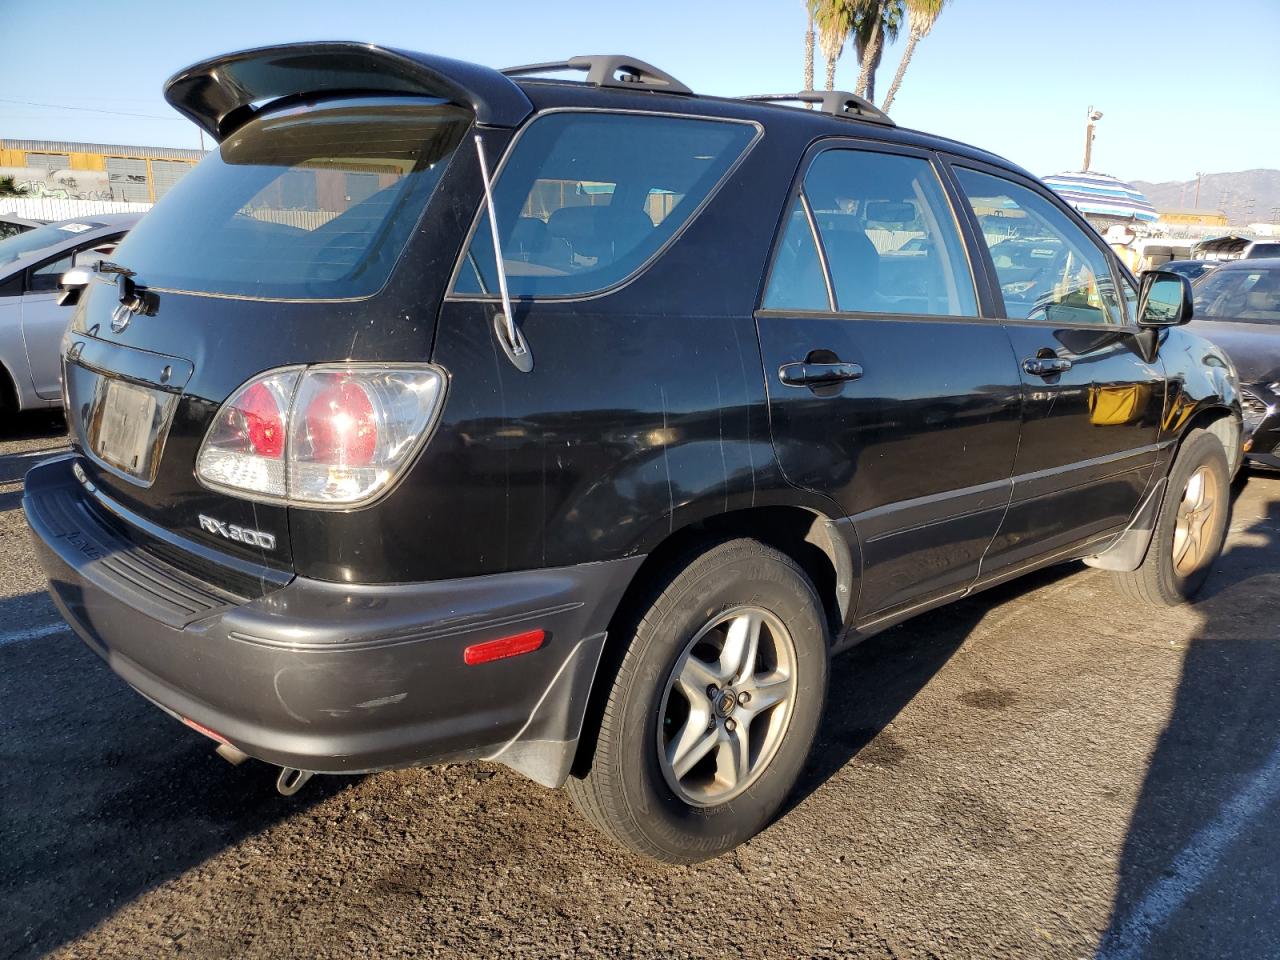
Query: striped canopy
point(1096, 194)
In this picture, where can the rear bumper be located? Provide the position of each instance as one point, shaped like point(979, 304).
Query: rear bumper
point(330, 677)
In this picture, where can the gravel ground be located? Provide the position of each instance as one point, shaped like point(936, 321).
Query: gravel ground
point(1035, 772)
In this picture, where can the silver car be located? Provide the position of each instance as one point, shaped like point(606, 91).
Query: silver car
point(31, 322)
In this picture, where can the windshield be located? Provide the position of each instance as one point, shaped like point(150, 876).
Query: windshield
point(1232, 294)
point(41, 237)
point(315, 202)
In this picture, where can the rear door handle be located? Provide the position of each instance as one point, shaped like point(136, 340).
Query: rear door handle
point(804, 374)
point(1046, 366)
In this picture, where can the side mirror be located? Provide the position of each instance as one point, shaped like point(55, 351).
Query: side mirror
point(1164, 299)
point(73, 283)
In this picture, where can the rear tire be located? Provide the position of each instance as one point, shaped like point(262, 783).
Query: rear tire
point(713, 709)
point(1190, 530)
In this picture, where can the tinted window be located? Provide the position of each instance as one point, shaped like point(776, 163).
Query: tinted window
point(46, 277)
point(586, 198)
point(796, 282)
point(889, 234)
point(39, 238)
point(312, 202)
point(1234, 294)
point(1257, 250)
point(1048, 267)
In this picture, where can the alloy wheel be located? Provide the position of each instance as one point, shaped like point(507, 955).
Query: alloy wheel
point(726, 705)
point(1194, 525)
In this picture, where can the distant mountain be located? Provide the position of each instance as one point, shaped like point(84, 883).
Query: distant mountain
point(1247, 196)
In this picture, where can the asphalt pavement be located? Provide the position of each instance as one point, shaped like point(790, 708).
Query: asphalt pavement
point(1037, 771)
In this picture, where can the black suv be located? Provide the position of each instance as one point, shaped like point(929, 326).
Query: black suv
point(447, 413)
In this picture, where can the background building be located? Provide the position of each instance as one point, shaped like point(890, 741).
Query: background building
point(94, 171)
point(1194, 217)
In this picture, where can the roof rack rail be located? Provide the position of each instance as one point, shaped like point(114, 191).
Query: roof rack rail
point(609, 70)
point(838, 103)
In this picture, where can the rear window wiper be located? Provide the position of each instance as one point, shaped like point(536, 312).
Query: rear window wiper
point(134, 297)
point(107, 266)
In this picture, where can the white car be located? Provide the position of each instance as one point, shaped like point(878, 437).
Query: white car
point(31, 322)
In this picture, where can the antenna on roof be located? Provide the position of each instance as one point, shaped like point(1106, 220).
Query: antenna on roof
point(609, 70)
point(837, 103)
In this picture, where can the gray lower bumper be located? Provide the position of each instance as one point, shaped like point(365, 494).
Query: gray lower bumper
point(340, 678)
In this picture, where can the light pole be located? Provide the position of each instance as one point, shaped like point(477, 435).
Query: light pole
point(1093, 117)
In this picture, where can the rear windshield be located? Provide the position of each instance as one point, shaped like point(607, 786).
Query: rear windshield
point(311, 203)
point(41, 237)
point(585, 199)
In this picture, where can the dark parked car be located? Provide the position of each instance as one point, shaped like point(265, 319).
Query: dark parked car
point(1238, 308)
point(1191, 269)
point(592, 476)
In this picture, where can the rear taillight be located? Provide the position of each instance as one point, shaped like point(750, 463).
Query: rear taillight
point(332, 435)
point(244, 448)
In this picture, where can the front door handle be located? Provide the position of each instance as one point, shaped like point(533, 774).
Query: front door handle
point(805, 374)
point(1046, 366)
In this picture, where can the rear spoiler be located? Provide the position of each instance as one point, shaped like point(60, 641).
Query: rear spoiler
point(222, 94)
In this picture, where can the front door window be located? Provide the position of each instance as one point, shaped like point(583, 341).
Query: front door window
point(1048, 268)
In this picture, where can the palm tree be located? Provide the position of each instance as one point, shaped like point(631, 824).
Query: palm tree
point(808, 50)
point(921, 16)
point(835, 20)
point(877, 23)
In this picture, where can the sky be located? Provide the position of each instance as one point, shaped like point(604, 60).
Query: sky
point(1181, 90)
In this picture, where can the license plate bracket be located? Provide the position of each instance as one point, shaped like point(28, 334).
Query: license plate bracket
point(127, 426)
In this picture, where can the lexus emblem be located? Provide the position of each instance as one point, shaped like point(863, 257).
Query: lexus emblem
point(120, 318)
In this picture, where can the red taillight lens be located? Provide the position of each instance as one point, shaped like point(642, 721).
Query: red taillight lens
point(245, 447)
point(325, 435)
point(341, 424)
point(264, 420)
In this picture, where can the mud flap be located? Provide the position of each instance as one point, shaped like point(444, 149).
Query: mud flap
point(1127, 551)
point(544, 748)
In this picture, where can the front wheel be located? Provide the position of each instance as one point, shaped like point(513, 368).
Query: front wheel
point(714, 707)
point(1191, 527)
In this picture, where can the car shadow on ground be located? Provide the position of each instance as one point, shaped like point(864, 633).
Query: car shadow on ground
point(32, 425)
point(104, 796)
point(1200, 867)
point(40, 435)
point(872, 683)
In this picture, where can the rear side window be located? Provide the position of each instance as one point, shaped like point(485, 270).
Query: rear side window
point(310, 203)
point(586, 199)
point(1047, 266)
point(797, 282)
point(890, 238)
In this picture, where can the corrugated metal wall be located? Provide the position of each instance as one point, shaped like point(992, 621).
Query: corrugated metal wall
point(165, 173)
point(106, 149)
point(49, 161)
point(128, 179)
